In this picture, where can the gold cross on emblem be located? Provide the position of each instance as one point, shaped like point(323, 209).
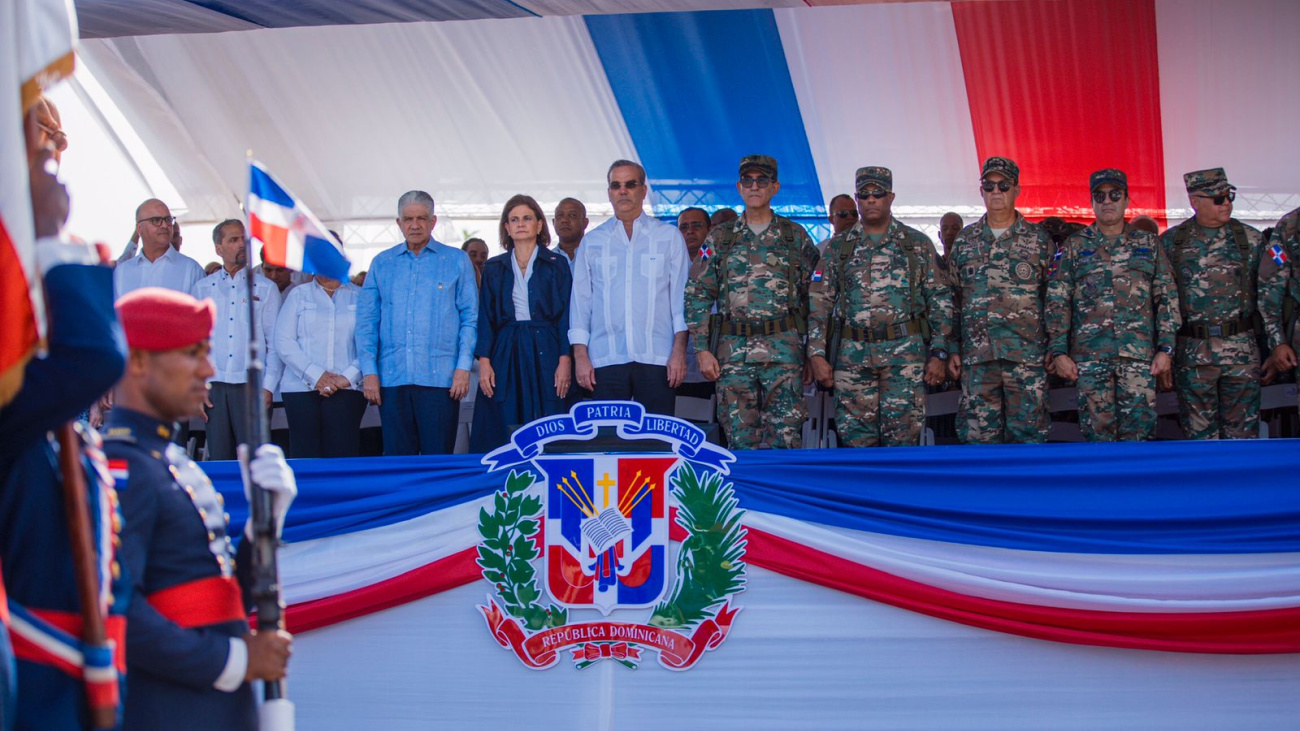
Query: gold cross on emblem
point(606, 483)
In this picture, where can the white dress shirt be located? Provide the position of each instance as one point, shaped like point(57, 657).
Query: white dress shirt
point(519, 293)
point(314, 335)
point(627, 301)
point(230, 332)
point(172, 270)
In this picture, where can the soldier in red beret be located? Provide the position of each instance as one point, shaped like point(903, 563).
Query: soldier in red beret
point(190, 653)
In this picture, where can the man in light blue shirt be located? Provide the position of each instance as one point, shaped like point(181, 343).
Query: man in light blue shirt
point(626, 318)
point(417, 324)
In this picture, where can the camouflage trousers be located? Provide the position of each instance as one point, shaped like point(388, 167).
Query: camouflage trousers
point(880, 406)
point(762, 403)
point(1117, 401)
point(1218, 402)
point(1003, 402)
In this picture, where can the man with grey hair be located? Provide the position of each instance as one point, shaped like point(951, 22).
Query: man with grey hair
point(417, 323)
point(626, 319)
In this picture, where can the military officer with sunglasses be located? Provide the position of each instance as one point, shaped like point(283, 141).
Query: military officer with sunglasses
point(1112, 312)
point(880, 322)
point(998, 270)
point(758, 276)
point(1215, 260)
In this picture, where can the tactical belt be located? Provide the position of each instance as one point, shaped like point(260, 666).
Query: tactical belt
point(883, 332)
point(214, 600)
point(758, 327)
point(1204, 330)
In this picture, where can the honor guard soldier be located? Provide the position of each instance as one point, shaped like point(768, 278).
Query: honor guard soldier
point(872, 313)
point(1279, 295)
point(84, 359)
point(1112, 312)
point(998, 268)
point(189, 649)
point(754, 347)
point(1215, 260)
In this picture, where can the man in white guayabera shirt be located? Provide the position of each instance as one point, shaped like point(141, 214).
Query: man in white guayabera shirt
point(626, 321)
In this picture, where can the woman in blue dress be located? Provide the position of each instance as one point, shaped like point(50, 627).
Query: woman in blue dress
point(523, 329)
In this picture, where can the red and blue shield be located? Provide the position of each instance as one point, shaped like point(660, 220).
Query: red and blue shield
point(606, 529)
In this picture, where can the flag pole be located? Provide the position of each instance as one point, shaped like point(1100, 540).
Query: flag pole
point(277, 711)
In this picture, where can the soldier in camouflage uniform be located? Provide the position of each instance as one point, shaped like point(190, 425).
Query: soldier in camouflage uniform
point(1279, 295)
point(1215, 261)
point(758, 276)
point(878, 296)
point(998, 269)
point(1112, 312)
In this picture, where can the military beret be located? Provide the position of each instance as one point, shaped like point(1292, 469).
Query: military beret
point(1109, 175)
point(1003, 166)
point(1208, 182)
point(878, 176)
point(761, 163)
point(163, 319)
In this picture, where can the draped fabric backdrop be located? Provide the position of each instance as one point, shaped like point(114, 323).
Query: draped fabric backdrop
point(1151, 586)
point(477, 110)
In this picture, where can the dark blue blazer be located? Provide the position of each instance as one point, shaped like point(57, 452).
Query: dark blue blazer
point(548, 298)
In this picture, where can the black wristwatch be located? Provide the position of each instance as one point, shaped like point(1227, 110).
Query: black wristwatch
point(1166, 349)
point(939, 353)
point(1058, 354)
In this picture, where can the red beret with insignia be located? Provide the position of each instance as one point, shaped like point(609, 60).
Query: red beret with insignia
point(163, 319)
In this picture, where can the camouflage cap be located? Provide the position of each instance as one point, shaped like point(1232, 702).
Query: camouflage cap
point(1113, 176)
point(877, 176)
point(1208, 182)
point(761, 163)
point(1003, 166)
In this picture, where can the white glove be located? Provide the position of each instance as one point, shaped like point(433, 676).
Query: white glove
point(271, 473)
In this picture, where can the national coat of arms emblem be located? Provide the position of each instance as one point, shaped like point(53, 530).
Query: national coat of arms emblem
point(594, 500)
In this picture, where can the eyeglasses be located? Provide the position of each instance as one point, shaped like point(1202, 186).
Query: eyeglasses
point(1003, 185)
point(762, 182)
point(846, 214)
point(877, 194)
point(158, 221)
point(691, 226)
point(1115, 194)
point(629, 185)
point(1220, 198)
point(57, 136)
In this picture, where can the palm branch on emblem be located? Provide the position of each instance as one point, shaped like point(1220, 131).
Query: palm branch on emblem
point(710, 566)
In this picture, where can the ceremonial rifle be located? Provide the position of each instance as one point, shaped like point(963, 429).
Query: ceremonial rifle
point(276, 711)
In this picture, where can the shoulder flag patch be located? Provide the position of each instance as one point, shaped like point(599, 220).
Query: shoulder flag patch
point(817, 276)
point(1278, 254)
point(120, 470)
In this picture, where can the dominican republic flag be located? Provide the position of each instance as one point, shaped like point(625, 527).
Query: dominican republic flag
point(291, 234)
point(36, 51)
point(1278, 254)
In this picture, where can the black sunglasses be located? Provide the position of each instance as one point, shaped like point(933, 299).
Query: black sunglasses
point(877, 194)
point(846, 214)
point(629, 185)
point(1099, 196)
point(691, 225)
point(1220, 198)
point(1002, 185)
point(751, 182)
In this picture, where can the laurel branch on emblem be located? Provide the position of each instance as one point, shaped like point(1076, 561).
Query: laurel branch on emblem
point(508, 549)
